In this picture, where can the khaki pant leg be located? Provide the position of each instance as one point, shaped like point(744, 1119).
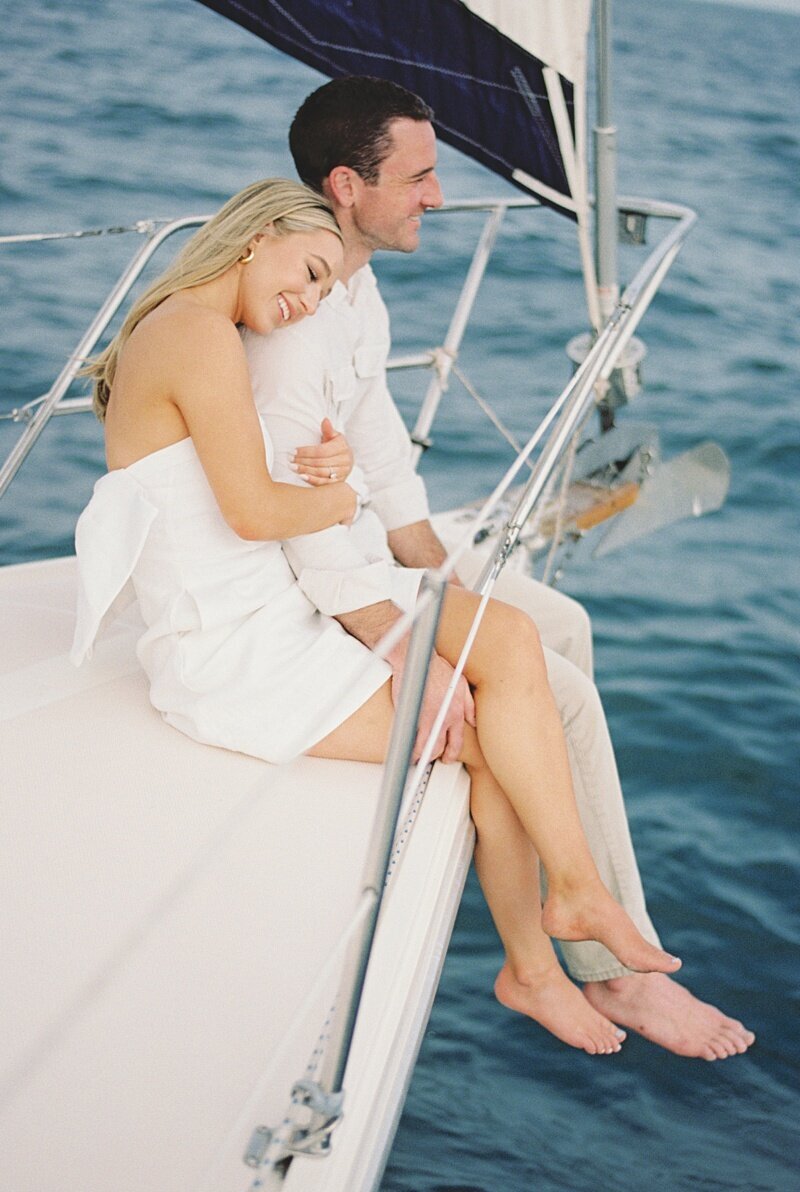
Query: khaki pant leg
point(602, 810)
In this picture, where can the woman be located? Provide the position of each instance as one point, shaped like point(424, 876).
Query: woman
point(235, 653)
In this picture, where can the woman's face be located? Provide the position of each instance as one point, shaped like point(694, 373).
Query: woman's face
point(287, 278)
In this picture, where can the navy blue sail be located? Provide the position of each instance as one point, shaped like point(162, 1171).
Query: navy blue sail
point(488, 92)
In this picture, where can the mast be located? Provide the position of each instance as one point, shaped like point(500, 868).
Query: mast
point(605, 156)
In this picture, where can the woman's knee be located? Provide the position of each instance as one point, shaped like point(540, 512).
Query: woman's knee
point(514, 638)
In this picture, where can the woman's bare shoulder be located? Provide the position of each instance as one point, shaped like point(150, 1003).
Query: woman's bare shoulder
point(186, 326)
point(181, 345)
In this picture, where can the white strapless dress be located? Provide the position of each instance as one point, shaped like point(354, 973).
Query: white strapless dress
point(236, 654)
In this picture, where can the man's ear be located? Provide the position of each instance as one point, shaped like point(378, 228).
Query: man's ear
point(341, 186)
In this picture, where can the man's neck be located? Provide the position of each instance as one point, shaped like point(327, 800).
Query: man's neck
point(357, 252)
point(356, 255)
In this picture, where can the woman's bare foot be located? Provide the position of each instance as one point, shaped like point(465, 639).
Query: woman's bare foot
point(590, 913)
point(667, 1014)
point(555, 1003)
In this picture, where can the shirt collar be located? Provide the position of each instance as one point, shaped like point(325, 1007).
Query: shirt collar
point(361, 280)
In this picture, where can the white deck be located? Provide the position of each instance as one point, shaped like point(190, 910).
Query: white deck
point(165, 907)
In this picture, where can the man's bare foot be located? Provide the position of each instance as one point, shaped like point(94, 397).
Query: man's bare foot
point(552, 1000)
point(667, 1014)
point(592, 914)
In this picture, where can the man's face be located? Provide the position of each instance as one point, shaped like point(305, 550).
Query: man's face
point(387, 214)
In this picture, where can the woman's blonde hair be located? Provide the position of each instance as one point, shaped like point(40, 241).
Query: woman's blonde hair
point(277, 203)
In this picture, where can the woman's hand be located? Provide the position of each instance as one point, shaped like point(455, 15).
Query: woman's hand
point(325, 462)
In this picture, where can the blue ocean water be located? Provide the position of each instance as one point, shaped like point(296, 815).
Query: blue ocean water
point(118, 111)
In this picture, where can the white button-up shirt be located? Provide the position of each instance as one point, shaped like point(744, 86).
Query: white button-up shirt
point(334, 365)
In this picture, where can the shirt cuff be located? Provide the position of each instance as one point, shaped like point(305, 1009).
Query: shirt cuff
point(335, 592)
point(401, 504)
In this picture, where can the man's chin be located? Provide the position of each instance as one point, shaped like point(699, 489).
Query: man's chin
point(409, 242)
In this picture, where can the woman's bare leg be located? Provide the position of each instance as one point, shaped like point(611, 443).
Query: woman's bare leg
point(521, 737)
point(364, 736)
point(531, 981)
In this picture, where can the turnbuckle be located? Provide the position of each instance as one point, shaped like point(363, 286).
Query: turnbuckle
point(312, 1139)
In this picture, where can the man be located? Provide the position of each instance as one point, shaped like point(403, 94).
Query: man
point(369, 146)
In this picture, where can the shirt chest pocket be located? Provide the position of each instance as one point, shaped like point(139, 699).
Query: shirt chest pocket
point(340, 388)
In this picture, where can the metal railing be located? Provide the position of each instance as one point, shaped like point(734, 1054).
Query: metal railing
point(42, 409)
point(35, 414)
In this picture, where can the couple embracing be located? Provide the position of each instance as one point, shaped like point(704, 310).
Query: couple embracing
point(262, 500)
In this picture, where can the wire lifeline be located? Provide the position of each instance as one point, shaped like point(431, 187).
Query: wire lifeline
point(282, 1132)
point(250, 1107)
point(142, 227)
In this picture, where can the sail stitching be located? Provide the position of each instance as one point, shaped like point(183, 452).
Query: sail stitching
point(318, 43)
point(532, 103)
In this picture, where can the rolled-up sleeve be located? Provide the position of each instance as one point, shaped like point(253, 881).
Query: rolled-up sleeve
point(291, 378)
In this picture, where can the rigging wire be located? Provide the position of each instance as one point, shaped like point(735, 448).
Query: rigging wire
point(488, 410)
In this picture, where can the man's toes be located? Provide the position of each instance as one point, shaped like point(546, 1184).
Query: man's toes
point(740, 1031)
point(736, 1037)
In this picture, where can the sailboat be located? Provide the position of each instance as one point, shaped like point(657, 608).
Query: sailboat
point(217, 973)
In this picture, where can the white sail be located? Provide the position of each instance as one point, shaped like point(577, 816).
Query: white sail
point(555, 31)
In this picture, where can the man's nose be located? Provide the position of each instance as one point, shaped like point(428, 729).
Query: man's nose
point(433, 192)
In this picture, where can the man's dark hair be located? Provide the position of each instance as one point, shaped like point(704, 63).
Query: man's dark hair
point(346, 123)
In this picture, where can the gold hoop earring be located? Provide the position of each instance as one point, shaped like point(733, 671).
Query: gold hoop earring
point(247, 257)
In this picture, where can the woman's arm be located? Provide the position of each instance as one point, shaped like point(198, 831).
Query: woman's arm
point(208, 383)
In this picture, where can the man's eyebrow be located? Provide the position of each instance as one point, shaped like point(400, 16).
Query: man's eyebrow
point(421, 174)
